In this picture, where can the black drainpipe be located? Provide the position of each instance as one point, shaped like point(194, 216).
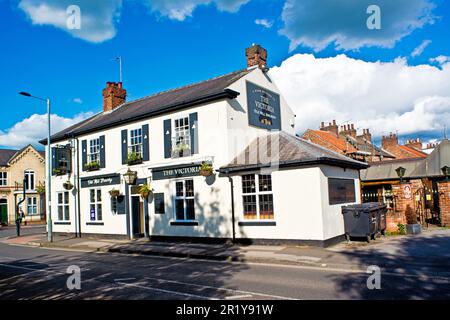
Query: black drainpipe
point(78, 232)
point(232, 206)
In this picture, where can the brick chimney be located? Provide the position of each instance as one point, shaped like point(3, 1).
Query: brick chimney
point(331, 127)
point(389, 141)
point(365, 135)
point(256, 56)
point(348, 130)
point(414, 143)
point(113, 96)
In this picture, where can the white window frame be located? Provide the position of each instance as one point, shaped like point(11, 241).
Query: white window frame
point(32, 208)
point(65, 207)
point(3, 179)
point(181, 134)
point(30, 177)
point(96, 203)
point(184, 198)
point(136, 142)
point(258, 193)
point(93, 154)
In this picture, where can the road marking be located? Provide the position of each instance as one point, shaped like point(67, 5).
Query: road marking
point(124, 279)
point(238, 297)
point(222, 289)
point(135, 285)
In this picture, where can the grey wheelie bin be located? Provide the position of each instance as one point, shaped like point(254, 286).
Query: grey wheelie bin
point(361, 220)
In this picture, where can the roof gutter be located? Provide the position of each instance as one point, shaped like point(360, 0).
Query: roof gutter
point(225, 94)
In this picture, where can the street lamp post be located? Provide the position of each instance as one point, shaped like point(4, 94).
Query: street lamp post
point(49, 167)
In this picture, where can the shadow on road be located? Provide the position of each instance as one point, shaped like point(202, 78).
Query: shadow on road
point(421, 266)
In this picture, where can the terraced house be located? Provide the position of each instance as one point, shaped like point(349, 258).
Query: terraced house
point(22, 170)
point(210, 161)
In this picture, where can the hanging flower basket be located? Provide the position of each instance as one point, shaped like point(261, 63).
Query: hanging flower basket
point(68, 185)
point(145, 190)
point(114, 193)
point(206, 169)
point(40, 189)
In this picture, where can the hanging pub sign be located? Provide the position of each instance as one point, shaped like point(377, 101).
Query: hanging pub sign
point(99, 181)
point(263, 107)
point(176, 171)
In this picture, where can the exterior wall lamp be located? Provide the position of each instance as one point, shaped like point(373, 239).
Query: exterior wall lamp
point(446, 171)
point(130, 177)
point(400, 173)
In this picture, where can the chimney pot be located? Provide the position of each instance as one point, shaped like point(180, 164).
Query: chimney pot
point(113, 96)
point(256, 56)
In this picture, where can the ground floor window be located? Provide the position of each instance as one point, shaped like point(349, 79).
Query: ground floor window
point(341, 191)
point(257, 197)
point(184, 200)
point(32, 206)
point(63, 206)
point(95, 200)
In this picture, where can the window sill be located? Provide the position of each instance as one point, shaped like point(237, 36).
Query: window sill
point(184, 223)
point(95, 223)
point(62, 223)
point(257, 223)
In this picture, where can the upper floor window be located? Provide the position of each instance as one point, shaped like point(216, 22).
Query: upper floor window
point(257, 197)
point(29, 180)
point(135, 147)
point(181, 142)
point(94, 151)
point(3, 179)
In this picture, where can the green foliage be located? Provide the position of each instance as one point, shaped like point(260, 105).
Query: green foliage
point(145, 190)
point(401, 228)
point(40, 189)
point(206, 169)
point(114, 193)
point(133, 158)
point(94, 165)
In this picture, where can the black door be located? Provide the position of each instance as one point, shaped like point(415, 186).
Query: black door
point(136, 215)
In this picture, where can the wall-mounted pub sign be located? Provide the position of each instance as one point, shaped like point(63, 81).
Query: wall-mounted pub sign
point(99, 181)
point(170, 172)
point(263, 107)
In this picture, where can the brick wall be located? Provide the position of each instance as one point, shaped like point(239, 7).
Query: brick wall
point(444, 202)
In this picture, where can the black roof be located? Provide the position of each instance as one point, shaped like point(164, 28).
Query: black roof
point(292, 152)
point(163, 102)
point(5, 156)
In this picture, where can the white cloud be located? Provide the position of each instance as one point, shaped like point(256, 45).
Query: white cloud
point(34, 128)
point(78, 100)
point(182, 9)
point(420, 49)
point(384, 97)
point(98, 18)
point(440, 60)
point(317, 24)
point(264, 22)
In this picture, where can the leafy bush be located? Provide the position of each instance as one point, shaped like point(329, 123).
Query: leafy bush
point(401, 228)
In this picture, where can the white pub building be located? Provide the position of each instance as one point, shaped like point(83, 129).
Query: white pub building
point(212, 161)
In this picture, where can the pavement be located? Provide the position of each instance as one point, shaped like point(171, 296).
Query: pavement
point(430, 250)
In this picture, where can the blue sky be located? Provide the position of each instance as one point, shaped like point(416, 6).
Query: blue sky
point(165, 44)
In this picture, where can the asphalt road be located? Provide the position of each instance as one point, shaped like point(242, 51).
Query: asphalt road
point(35, 273)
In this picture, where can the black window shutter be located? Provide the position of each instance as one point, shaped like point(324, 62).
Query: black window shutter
point(193, 123)
point(124, 146)
point(146, 143)
point(102, 152)
point(83, 154)
point(167, 138)
point(53, 160)
point(121, 205)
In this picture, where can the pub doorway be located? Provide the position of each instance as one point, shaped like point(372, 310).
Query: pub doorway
point(137, 216)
